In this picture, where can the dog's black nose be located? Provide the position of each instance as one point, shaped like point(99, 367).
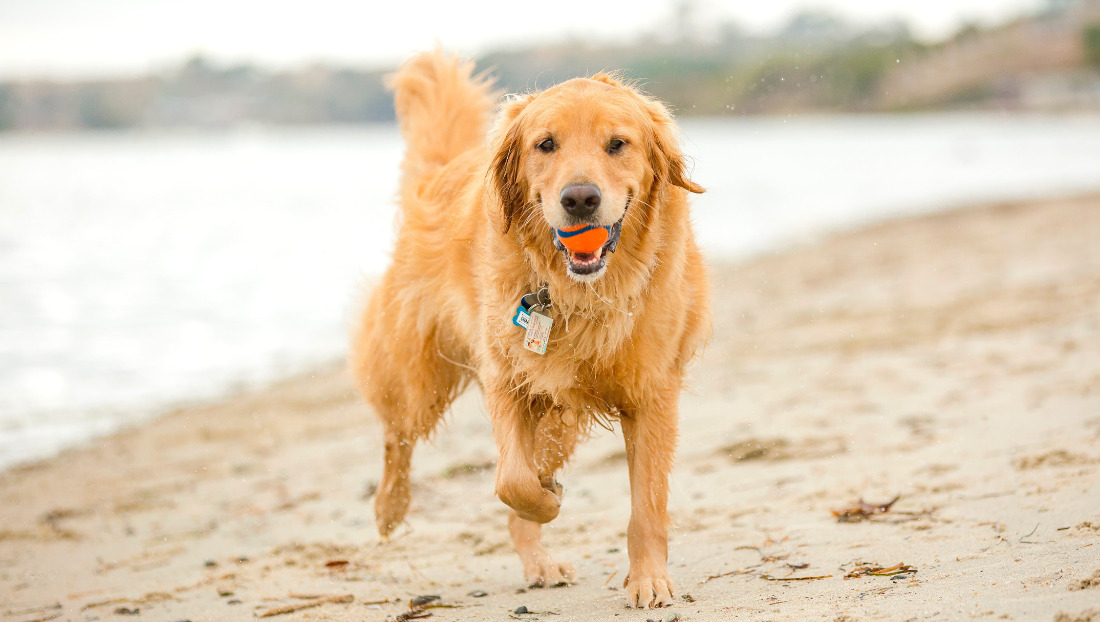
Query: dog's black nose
point(580, 200)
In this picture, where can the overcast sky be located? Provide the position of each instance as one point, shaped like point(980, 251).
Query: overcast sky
point(92, 38)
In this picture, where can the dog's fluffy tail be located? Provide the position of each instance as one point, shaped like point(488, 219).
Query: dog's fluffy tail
point(442, 109)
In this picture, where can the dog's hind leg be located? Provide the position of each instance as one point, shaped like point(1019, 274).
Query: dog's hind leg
point(407, 421)
point(391, 500)
point(410, 385)
point(424, 388)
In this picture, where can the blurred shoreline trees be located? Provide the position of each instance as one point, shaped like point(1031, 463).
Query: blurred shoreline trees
point(816, 63)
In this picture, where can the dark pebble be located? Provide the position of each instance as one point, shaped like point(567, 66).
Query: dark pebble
point(613, 549)
point(242, 559)
point(210, 563)
point(521, 609)
point(420, 601)
point(900, 577)
point(234, 601)
point(478, 593)
point(369, 490)
point(126, 611)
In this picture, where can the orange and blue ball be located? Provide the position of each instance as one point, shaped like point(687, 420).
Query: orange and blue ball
point(585, 239)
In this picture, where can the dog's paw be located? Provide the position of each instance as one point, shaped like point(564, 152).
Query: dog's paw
point(648, 590)
point(529, 499)
point(389, 511)
point(553, 486)
point(548, 573)
point(542, 509)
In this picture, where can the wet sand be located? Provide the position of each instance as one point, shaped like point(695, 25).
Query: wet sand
point(952, 359)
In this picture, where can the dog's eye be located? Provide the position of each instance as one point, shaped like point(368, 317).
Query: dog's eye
point(547, 146)
point(615, 146)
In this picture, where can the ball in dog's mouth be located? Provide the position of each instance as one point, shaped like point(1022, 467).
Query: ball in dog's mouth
point(586, 247)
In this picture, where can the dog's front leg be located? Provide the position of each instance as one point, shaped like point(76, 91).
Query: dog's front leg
point(517, 483)
point(554, 443)
point(539, 567)
point(650, 434)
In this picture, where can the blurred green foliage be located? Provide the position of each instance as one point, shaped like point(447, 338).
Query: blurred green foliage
point(6, 114)
point(816, 63)
point(1091, 35)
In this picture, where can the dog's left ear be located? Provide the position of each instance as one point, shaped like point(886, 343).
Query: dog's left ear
point(665, 157)
point(506, 180)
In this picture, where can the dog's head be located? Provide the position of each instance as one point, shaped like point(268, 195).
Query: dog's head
point(585, 152)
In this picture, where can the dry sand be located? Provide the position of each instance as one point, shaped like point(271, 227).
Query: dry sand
point(952, 359)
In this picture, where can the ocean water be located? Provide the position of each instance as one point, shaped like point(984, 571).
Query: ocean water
point(142, 271)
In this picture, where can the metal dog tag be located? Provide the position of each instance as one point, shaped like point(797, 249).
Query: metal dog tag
point(538, 332)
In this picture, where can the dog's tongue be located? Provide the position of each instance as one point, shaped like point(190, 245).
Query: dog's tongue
point(584, 259)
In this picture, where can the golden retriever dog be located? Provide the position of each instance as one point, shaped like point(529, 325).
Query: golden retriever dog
point(480, 234)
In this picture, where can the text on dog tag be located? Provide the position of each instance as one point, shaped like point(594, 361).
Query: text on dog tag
point(538, 333)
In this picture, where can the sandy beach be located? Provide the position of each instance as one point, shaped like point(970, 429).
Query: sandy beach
point(950, 360)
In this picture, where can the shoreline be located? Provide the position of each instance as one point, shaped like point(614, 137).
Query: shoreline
point(132, 417)
point(944, 357)
point(135, 416)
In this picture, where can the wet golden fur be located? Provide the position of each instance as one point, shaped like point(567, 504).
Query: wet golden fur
point(475, 235)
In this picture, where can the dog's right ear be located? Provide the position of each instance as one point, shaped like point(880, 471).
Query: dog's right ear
point(506, 179)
